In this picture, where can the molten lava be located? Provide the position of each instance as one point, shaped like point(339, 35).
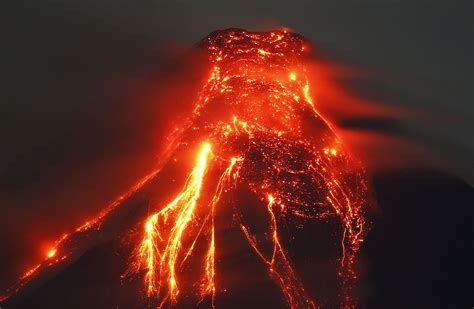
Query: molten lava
point(257, 128)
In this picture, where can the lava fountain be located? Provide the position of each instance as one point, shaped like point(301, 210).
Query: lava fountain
point(255, 126)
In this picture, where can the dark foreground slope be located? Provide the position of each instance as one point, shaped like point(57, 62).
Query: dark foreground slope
point(418, 255)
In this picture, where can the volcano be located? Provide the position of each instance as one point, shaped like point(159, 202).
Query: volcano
point(253, 165)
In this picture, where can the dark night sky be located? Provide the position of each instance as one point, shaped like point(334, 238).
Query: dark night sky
point(81, 118)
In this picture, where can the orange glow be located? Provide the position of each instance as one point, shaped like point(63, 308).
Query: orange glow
point(237, 71)
point(258, 129)
point(159, 253)
point(279, 265)
point(158, 257)
point(51, 253)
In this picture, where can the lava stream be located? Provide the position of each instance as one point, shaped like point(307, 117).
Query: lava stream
point(258, 128)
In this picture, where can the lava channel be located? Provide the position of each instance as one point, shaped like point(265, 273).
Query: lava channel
point(254, 125)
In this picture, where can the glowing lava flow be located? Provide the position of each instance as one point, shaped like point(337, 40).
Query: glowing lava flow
point(279, 266)
point(182, 209)
point(159, 255)
point(258, 128)
point(256, 104)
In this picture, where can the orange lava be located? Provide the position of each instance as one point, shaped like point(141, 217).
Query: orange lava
point(258, 128)
point(256, 106)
